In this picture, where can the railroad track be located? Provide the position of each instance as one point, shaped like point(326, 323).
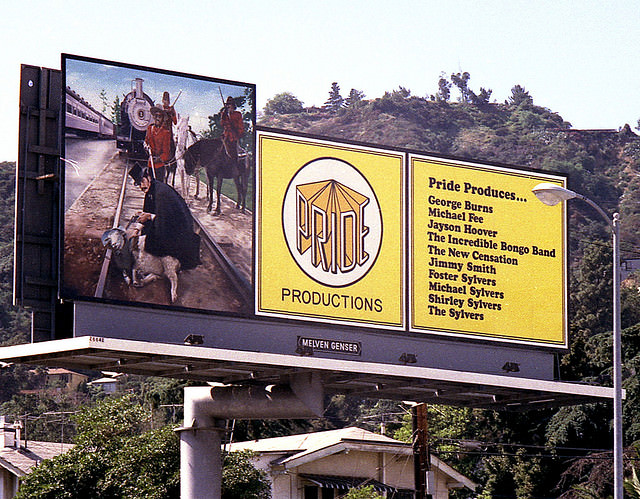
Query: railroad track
point(130, 202)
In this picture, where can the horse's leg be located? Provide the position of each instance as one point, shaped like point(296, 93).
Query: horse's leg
point(197, 175)
point(183, 183)
point(239, 189)
point(245, 180)
point(209, 191)
point(219, 188)
point(245, 186)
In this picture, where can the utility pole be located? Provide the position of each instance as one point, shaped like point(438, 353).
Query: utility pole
point(421, 455)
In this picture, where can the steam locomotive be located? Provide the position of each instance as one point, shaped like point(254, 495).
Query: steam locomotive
point(83, 120)
point(135, 117)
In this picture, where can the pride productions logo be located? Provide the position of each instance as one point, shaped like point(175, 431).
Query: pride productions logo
point(332, 222)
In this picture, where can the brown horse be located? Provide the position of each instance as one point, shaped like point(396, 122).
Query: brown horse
point(211, 155)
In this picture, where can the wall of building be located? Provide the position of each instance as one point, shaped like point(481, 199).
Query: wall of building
point(392, 469)
point(8, 484)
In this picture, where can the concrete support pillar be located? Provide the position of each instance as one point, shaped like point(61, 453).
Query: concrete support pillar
point(206, 408)
point(201, 459)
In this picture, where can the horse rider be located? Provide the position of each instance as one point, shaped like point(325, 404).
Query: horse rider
point(232, 128)
point(172, 119)
point(158, 141)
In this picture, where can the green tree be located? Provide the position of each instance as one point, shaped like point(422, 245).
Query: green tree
point(632, 485)
point(591, 305)
point(519, 96)
point(105, 101)
point(15, 322)
point(461, 80)
point(364, 492)
point(283, 103)
point(114, 457)
point(335, 102)
point(241, 480)
point(584, 492)
point(355, 99)
point(108, 423)
point(118, 456)
point(482, 98)
point(444, 89)
point(115, 111)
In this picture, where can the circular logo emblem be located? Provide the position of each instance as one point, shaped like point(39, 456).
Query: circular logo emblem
point(332, 222)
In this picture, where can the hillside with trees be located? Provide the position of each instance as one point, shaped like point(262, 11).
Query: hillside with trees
point(536, 454)
point(601, 164)
point(544, 453)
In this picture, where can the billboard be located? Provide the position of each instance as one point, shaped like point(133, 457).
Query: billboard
point(393, 273)
point(146, 152)
point(486, 258)
point(330, 232)
point(479, 256)
point(160, 211)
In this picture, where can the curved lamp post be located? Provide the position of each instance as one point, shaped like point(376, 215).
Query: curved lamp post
point(552, 194)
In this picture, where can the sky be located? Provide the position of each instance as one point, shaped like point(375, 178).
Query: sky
point(576, 57)
point(195, 98)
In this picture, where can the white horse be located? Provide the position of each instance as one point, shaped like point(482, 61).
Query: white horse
point(185, 137)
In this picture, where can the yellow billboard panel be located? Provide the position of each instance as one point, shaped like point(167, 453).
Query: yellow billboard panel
point(330, 232)
point(487, 259)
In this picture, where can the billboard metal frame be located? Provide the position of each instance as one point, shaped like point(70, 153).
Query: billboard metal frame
point(361, 379)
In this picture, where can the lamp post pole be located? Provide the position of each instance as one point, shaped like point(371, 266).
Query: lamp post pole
point(552, 194)
point(618, 467)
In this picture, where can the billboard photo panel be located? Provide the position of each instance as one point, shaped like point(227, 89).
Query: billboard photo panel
point(487, 258)
point(140, 145)
point(330, 232)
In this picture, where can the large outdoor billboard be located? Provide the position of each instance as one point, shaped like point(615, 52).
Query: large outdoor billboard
point(479, 256)
point(487, 259)
point(391, 272)
point(140, 147)
point(160, 211)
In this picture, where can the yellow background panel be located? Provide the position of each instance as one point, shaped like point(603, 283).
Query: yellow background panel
point(523, 302)
point(279, 159)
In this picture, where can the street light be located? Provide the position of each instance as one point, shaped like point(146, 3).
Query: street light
point(552, 194)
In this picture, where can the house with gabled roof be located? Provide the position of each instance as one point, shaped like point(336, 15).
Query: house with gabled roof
point(324, 465)
point(18, 457)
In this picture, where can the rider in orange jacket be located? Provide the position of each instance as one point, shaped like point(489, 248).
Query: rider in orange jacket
point(158, 140)
point(232, 127)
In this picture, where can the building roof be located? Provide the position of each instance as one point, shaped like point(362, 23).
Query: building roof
point(103, 381)
point(314, 441)
point(295, 450)
point(53, 371)
point(20, 461)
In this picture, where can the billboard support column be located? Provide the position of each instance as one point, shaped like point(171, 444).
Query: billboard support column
point(201, 458)
point(205, 409)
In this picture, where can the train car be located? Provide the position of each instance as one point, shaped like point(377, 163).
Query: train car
point(83, 120)
point(105, 127)
point(135, 117)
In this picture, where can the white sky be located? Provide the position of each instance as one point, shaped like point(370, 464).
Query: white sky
point(578, 58)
